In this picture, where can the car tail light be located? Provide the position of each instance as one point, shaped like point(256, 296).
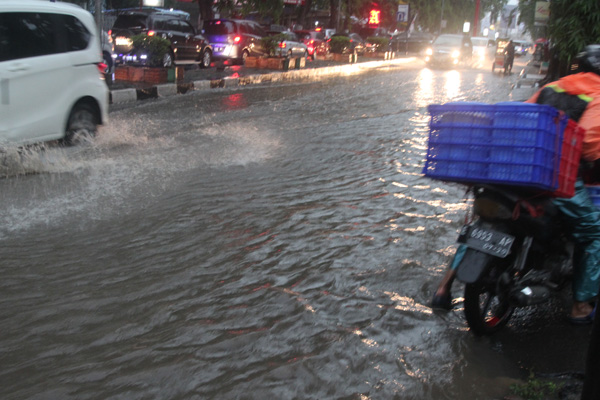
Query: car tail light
point(282, 45)
point(237, 39)
point(151, 33)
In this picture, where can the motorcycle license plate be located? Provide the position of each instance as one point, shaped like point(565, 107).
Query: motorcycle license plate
point(486, 240)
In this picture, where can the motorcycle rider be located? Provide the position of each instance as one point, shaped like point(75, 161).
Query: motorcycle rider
point(577, 95)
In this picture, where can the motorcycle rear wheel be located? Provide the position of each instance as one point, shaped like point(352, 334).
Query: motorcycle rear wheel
point(487, 308)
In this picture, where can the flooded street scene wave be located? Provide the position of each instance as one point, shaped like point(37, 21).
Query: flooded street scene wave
point(277, 240)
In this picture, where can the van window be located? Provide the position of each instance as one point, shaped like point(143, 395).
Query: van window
point(219, 27)
point(27, 35)
point(255, 29)
point(77, 34)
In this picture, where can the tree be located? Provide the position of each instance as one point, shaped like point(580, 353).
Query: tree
point(455, 12)
point(205, 9)
point(572, 25)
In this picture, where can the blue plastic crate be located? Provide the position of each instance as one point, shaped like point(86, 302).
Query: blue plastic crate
point(505, 143)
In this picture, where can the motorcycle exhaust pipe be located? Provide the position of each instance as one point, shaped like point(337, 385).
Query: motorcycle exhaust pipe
point(529, 295)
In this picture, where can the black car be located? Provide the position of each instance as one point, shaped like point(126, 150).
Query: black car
point(187, 46)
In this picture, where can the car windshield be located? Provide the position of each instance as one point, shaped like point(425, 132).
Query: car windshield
point(219, 27)
point(130, 22)
point(448, 41)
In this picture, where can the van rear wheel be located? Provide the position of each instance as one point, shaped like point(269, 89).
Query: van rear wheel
point(82, 125)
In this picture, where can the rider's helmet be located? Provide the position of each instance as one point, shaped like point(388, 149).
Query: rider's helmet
point(589, 59)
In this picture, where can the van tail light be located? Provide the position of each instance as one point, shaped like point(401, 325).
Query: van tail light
point(151, 33)
point(102, 68)
point(237, 39)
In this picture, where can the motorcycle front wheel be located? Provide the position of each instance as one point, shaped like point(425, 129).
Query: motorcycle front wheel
point(487, 307)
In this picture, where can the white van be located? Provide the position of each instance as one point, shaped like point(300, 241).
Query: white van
point(51, 81)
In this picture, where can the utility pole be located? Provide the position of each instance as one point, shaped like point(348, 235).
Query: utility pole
point(476, 22)
point(98, 17)
point(442, 17)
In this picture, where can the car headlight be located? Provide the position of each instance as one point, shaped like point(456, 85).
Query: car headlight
point(455, 54)
point(429, 52)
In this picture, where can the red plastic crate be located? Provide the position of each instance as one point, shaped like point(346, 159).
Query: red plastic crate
point(569, 159)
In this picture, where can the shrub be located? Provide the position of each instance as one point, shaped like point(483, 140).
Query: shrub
point(271, 43)
point(154, 47)
point(339, 44)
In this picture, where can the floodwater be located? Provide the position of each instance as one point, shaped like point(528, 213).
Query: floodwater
point(272, 241)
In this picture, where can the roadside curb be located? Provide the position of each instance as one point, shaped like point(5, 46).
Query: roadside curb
point(171, 89)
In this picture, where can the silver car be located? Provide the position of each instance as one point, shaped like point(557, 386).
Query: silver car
point(289, 45)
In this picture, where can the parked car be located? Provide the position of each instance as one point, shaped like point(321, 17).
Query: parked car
point(450, 50)
point(187, 46)
point(233, 40)
point(357, 44)
point(315, 41)
point(51, 73)
point(289, 45)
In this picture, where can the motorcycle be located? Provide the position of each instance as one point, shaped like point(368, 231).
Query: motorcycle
point(517, 254)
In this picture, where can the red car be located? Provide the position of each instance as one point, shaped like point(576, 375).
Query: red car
point(315, 41)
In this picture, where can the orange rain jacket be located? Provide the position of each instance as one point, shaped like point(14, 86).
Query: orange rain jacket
point(586, 83)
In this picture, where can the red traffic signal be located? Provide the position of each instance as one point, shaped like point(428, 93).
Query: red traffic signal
point(374, 17)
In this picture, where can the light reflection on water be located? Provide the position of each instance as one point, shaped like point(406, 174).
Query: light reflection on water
point(285, 248)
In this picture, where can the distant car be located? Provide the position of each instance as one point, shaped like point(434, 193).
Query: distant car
point(450, 50)
point(357, 44)
point(315, 41)
point(481, 49)
point(415, 42)
point(187, 46)
point(521, 47)
point(289, 45)
point(233, 40)
point(51, 73)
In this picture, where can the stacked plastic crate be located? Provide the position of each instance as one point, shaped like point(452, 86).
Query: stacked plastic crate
point(517, 144)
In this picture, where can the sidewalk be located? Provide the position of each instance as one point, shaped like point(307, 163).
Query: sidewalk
point(195, 78)
point(527, 82)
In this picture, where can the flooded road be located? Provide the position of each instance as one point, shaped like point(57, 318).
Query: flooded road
point(264, 242)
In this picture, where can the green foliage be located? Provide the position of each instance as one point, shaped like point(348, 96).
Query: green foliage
point(155, 47)
point(573, 25)
point(455, 12)
point(271, 43)
point(269, 10)
point(534, 389)
point(381, 43)
point(339, 44)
